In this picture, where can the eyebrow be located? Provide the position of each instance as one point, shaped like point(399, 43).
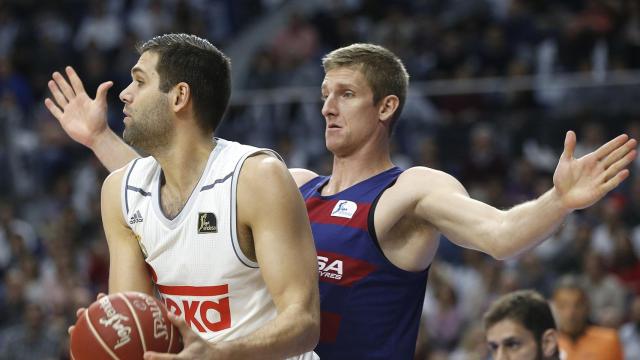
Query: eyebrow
point(137, 69)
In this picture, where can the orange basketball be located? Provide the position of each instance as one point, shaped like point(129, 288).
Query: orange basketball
point(123, 326)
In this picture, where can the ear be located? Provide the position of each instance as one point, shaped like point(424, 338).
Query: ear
point(180, 96)
point(549, 343)
point(388, 106)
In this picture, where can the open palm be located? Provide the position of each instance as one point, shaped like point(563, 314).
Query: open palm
point(83, 118)
point(581, 182)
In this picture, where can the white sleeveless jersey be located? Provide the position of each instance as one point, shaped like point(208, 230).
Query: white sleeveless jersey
point(195, 259)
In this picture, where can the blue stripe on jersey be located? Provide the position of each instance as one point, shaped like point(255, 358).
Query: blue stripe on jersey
point(138, 190)
point(370, 308)
point(219, 181)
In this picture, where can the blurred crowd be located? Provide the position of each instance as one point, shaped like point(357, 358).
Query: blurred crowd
point(503, 146)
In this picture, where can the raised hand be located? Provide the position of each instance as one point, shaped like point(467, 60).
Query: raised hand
point(82, 118)
point(581, 182)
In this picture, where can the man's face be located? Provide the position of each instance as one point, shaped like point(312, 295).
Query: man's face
point(350, 114)
point(507, 339)
point(147, 119)
point(571, 310)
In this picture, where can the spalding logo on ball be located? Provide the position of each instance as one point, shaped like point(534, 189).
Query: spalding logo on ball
point(123, 326)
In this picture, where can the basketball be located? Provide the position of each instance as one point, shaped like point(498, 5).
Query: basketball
point(123, 326)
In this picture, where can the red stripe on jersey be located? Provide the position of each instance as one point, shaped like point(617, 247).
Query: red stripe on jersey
point(320, 212)
point(194, 290)
point(342, 270)
point(329, 326)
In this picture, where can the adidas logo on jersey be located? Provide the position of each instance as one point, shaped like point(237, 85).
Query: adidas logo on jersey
point(344, 209)
point(136, 218)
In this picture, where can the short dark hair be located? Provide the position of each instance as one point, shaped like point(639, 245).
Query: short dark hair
point(526, 307)
point(384, 71)
point(195, 61)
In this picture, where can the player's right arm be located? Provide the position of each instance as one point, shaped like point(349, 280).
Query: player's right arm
point(127, 270)
point(85, 119)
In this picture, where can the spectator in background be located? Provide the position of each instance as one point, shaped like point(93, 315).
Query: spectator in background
point(33, 338)
point(606, 294)
point(101, 29)
point(630, 332)
point(578, 338)
point(603, 239)
point(519, 325)
point(296, 43)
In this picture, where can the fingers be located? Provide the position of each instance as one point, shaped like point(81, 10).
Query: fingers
point(569, 145)
point(53, 109)
point(619, 165)
point(64, 85)
point(619, 153)
point(611, 146)
point(57, 94)
point(101, 93)
point(80, 311)
point(76, 83)
point(101, 295)
point(180, 324)
point(70, 329)
point(615, 181)
point(151, 355)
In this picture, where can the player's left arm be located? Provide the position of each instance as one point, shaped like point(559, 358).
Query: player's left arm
point(271, 206)
point(578, 183)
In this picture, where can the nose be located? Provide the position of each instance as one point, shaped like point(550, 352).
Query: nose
point(500, 354)
point(125, 95)
point(329, 107)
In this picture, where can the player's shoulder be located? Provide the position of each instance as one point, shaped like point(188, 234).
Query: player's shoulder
point(302, 176)
point(113, 182)
point(426, 177)
point(261, 163)
point(262, 170)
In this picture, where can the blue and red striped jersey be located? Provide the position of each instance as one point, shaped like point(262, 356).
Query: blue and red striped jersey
point(370, 308)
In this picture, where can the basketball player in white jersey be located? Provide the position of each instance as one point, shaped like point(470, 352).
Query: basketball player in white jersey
point(219, 229)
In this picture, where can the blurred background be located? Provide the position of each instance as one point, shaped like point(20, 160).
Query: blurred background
point(495, 86)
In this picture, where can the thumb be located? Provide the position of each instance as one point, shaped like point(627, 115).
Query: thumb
point(101, 93)
point(180, 323)
point(569, 145)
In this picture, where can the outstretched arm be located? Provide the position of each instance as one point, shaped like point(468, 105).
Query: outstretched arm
point(578, 183)
point(85, 119)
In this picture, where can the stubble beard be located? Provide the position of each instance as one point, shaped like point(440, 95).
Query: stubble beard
point(150, 130)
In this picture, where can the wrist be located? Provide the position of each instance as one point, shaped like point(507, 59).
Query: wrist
point(219, 350)
point(101, 140)
point(559, 201)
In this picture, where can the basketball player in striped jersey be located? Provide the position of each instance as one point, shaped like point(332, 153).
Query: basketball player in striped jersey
point(217, 228)
point(376, 227)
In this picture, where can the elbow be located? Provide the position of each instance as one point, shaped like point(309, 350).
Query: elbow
point(312, 332)
point(500, 255)
point(503, 251)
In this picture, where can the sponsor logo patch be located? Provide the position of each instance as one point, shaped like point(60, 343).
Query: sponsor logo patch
point(344, 209)
point(207, 223)
point(342, 270)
